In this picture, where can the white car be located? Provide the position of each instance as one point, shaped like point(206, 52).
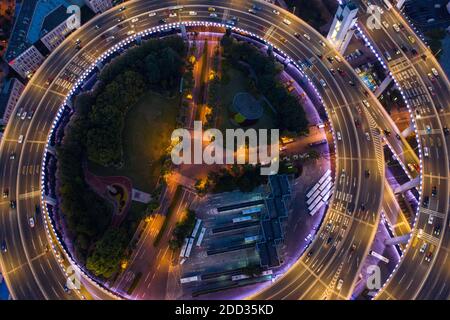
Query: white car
point(286, 21)
point(339, 284)
point(276, 12)
point(192, 13)
point(385, 24)
point(423, 247)
point(213, 15)
point(426, 152)
point(436, 74)
point(323, 83)
point(129, 33)
point(135, 20)
point(367, 136)
point(172, 15)
point(322, 43)
point(152, 14)
point(24, 115)
point(307, 36)
point(396, 27)
point(338, 135)
point(31, 222)
point(430, 219)
point(20, 139)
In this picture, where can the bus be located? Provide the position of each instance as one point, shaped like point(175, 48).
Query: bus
point(189, 279)
point(200, 237)
point(251, 210)
point(189, 248)
point(379, 256)
point(242, 219)
point(196, 228)
point(183, 248)
point(318, 143)
point(239, 277)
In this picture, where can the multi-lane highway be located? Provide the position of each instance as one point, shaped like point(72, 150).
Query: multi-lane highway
point(344, 239)
point(423, 271)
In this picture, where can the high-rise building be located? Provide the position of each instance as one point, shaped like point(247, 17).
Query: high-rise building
point(8, 98)
point(99, 5)
point(27, 62)
point(341, 29)
point(56, 26)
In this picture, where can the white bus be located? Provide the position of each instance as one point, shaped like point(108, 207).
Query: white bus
point(379, 256)
point(189, 248)
point(200, 237)
point(190, 279)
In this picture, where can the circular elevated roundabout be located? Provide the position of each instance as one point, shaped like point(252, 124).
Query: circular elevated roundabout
point(42, 276)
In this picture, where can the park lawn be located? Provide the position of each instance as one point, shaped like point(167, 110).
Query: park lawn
point(147, 131)
point(236, 82)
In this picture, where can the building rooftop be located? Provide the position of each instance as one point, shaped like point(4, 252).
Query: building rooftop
point(29, 22)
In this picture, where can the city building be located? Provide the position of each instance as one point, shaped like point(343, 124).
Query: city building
point(56, 26)
point(27, 62)
point(273, 221)
point(34, 20)
point(9, 96)
point(99, 5)
point(341, 28)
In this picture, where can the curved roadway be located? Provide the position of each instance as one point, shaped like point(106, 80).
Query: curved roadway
point(352, 218)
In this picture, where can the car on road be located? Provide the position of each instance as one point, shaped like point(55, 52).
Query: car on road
point(434, 191)
point(423, 247)
point(425, 201)
point(306, 36)
point(24, 115)
point(122, 8)
point(172, 14)
point(20, 140)
point(4, 248)
point(213, 15)
point(430, 219)
point(30, 115)
point(211, 9)
point(339, 285)
point(436, 74)
point(323, 83)
point(437, 230)
point(385, 24)
point(286, 21)
point(426, 152)
point(152, 14)
point(367, 173)
point(322, 43)
point(5, 193)
point(12, 204)
point(338, 135)
point(276, 12)
point(396, 27)
point(411, 39)
point(429, 256)
point(31, 222)
point(12, 156)
point(66, 289)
